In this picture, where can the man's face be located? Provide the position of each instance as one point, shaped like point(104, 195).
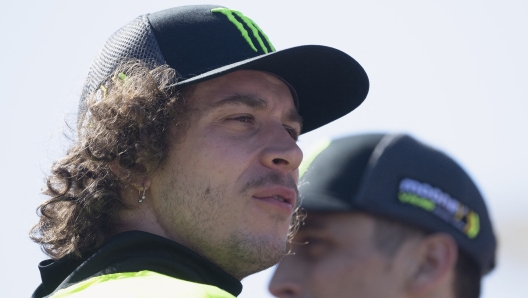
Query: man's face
point(227, 189)
point(334, 255)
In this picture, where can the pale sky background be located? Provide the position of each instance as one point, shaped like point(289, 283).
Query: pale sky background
point(451, 73)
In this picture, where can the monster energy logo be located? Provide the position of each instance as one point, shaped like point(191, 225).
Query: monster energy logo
point(255, 30)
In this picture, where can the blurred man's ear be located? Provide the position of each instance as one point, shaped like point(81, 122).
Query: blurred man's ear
point(434, 269)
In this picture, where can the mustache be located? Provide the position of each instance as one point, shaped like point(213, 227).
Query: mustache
point(271, 178)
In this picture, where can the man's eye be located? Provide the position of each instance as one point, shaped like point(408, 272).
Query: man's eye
point(293, 133)
point(244, 118)
point(312, 248)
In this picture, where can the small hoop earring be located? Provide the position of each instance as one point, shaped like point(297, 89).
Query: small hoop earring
point(142, 195)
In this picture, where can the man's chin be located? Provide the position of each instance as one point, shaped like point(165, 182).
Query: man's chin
point(250, 254)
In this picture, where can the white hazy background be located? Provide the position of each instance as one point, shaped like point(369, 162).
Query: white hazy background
point(453, 74)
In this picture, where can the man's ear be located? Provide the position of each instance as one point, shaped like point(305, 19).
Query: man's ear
point(437, 255)
point(140, 183)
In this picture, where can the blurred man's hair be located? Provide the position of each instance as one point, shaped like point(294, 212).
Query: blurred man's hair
point(389, 236)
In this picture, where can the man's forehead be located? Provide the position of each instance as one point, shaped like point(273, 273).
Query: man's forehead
point(246, 79)
point(293, 92)
point(328, 220)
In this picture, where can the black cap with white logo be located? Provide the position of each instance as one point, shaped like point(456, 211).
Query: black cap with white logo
point(202, 42)
point(398, 177)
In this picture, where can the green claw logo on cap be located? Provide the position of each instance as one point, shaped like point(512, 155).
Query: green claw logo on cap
point(255, 30)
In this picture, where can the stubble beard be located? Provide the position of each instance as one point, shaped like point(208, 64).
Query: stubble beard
point(194, 211)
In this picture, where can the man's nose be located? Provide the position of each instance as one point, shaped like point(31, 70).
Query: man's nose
point(286, 281)
point(281, 152)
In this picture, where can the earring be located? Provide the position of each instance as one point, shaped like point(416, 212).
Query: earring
point(142, 195)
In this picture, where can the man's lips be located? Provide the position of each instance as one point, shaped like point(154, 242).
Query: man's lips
point(280, 194)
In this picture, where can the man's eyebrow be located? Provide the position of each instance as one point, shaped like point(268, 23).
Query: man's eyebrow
point(294, 116)
point(240, 99)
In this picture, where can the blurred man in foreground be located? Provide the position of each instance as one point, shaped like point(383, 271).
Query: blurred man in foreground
point(387, 216)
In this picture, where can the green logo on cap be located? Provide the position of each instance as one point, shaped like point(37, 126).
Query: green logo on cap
point(316, 149)
point(255, 30)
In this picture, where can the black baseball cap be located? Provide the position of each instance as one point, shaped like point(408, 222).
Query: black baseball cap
point(394, 175)
point(202, 42)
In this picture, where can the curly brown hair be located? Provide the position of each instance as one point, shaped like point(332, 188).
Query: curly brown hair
point(127, 124)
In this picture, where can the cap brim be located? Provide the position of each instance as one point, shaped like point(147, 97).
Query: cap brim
point(329, 83)
point(324, 203)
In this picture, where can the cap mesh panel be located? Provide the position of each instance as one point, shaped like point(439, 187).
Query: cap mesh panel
point(133, 41)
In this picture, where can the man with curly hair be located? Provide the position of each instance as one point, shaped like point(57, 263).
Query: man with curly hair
point(182, 179)
point(387, 216)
